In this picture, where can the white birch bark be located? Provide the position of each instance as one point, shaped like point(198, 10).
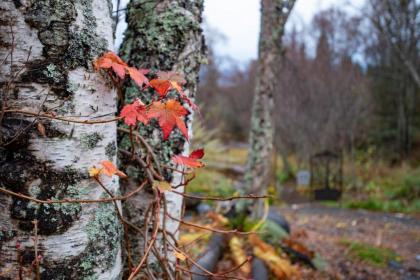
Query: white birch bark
point(75, 241)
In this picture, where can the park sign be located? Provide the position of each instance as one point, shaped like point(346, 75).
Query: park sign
point(303, 178)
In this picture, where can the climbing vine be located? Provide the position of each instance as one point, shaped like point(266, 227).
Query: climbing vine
point(161, 103)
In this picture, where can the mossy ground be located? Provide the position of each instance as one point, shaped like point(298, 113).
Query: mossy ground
point(373, 255)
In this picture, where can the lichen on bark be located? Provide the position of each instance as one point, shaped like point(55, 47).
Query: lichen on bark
point(54, 43)
point(65, 46)
point(89, 141)
point(166, 36)
point(274, 14)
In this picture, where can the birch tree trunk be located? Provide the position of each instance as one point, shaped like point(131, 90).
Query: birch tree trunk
point(48, 47)
point(274, 14)
point(163, 35)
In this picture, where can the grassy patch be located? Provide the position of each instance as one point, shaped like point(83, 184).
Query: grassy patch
point(231, 155)
point(382, 188)
point(372, 255)
point(377, 204)
point(332, 204)
point(208, 182)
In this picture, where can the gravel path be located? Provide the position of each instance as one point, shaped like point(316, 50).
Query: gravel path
point(324, 228)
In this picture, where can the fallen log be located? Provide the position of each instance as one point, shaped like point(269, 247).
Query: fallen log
point(259, 269)
point(210, 258)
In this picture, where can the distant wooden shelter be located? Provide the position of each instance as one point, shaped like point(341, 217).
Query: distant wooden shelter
point(326, 180)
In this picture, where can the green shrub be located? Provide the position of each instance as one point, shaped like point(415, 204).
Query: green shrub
point(398, 192)
point(369, 204)
point(414, 206)
point(283, 176)
point(410, 188)
point(376, 204)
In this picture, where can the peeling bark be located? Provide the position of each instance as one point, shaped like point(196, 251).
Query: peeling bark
point(163, 35)
point(50, 45)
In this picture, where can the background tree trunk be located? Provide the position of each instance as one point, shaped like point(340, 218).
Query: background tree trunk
point(163, 35)
point(396, 36)
point(49, 47)
point(274, 14)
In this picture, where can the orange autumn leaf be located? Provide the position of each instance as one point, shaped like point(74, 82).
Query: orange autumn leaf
point(161, 86)
point(120, 68)
point(281, 267)
point(94, 172)
point(175, 80)
point(107, 59)
point(193, 237)
point(111, 60)
point(180, 256)
point(184, 95)
point(172, 80)
point(134, 112)
point(110, 169)
point(239, 254)
point(178, 88)
point(299, 247)
point(169, 115)
point(167, 81)
point(192, 160)
point(138, 76)
point(218, 219)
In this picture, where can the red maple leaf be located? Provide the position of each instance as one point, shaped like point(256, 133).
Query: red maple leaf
point(178, 88)
point(111, 60)
point(176, 80)
point(138, 76)
point(120, 68)
point(169, 115)
point(134, 112)
point(192, 160)
point(167, 81)
point(110, 169)
point(197, 154)
point(161, 86)
point(171, 80)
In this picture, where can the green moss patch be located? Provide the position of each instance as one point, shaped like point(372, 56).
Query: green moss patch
point(372, 255)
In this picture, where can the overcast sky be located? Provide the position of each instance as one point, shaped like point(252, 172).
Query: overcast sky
point(239, 20)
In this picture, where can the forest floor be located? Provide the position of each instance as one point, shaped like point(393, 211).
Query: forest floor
point(355, 244)
point(358, 244)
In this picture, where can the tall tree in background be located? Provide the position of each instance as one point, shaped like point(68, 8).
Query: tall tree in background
point(274, 14)
point(162, 35)
point(47, 49)
point(324, 102)
point(397, 23)
point(219, 87)
point(394, 62)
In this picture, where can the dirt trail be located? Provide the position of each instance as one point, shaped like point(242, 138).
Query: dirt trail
point(326, 227)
